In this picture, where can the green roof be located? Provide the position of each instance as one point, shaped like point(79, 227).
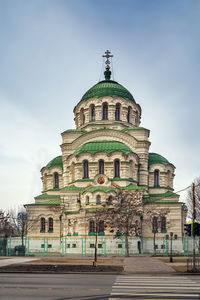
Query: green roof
point(104, 189)
point(131, 186)
point(133, 128)
point(71, 212)
point(164, 195)
point(50, 202)
point(46, 196)
point(107, 88)
point(103, 146)
point(155, 158)
point(75, 130)
point(72, 188)
point(57, 161)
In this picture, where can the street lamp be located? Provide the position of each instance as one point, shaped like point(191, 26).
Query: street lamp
point(171, 258)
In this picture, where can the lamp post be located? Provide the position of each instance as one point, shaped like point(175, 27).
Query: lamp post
point(171, 258)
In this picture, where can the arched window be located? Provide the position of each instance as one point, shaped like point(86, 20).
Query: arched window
point(129, 114)
point(92, 112)
point(136, 118)
point(56, 180)
point(156, 178)
point(155, 223)
point(116, 168)
point(168, 178)
point(82, 116)
point(42, 224)
point(85, 169)
point(87, 200)
point(101, 166)
point(163, 223)
point(50, 224)
point(138, 173)
point(98, 199)
point(91, 226)
point(101, 226)
point(117, 112)
point(105, 111)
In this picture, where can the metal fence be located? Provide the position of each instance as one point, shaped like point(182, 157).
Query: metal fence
point(84, 246)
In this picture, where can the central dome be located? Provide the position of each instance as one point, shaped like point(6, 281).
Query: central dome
point(108, 88)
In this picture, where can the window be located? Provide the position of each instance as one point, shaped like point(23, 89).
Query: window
point(91, 226)
point(87, 200)
point(50, 224)
point(100, 246)
point(56, 180)
point(168, 177)
point(98, 199)
point(129, 114)
point(155, 223)
point(85, 169)
point(110, 200)
point(42, 224)
point(163, 223)
point(92, 112)
point(82, 116)
point(116, 168)
point(68, 245)
point(119, 246)
point(91, 245)
point(156, 178)
point(101, 167)
point(73, 245)
point(117, 112)
point(105, 111)
point(101, 226)
point(49, 245)
point(138, 173)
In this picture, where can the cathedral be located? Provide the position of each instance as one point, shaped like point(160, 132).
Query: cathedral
point(107, 152)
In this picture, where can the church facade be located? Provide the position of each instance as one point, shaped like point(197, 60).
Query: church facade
point(108, 152)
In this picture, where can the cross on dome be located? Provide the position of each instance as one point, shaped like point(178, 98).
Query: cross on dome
point(107, 56)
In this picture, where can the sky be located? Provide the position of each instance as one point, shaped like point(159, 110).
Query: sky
point(51, 54)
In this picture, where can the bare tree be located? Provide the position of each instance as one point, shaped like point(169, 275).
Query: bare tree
point(189, 201)
point(125, 213)
point(98, 222)
point(6, 225)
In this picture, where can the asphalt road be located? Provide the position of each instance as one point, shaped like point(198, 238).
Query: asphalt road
point(98, 287)
point(55, 286)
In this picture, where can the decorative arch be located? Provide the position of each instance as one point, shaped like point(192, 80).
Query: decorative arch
point(129, 114)
point(82, 116)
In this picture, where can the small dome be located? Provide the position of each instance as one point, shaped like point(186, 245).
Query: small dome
point(155, 158)
point(108, 88)
point(57, 161)
point(103, 146)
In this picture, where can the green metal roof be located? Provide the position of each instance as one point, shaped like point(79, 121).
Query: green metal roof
point(75, 130)
point(104, 189)
point(46, 196)
point(50, 202)
point(72, 188)
point(131, 186)
point(107, 88)
point(133, 128)
point(57, 161)
point(155, 158)
point(166, 194)
point(103, 146)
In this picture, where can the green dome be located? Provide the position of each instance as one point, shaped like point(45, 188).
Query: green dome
point(103, 146)
point(107, 88)
point(155, 158)
point(57, 161)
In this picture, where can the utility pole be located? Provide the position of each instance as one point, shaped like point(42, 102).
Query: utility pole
point(194, 217)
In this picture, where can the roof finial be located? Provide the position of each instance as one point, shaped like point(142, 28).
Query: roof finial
point(107, 73)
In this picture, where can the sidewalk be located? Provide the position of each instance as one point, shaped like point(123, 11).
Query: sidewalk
point(133, 265)
point(15, 260)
